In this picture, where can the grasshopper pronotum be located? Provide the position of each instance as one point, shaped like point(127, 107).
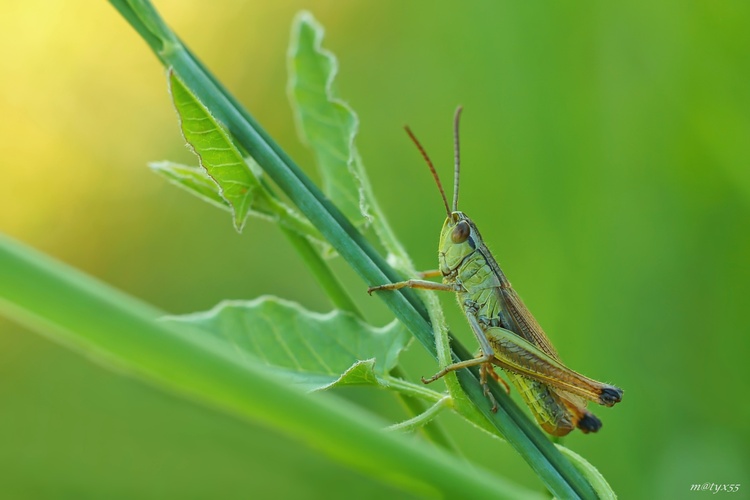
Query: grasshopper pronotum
point(508, 334)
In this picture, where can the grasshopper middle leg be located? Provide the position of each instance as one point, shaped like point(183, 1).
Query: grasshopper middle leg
point(484, 361)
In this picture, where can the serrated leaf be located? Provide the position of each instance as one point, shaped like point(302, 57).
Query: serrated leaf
point(325, 122)
point(216, 153)
point(312, 350)
point(196, 181)
point(360, 373)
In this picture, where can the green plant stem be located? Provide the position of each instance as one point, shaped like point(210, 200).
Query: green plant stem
point(423, 418)
point(286, 217)
point(432, 430)
point(319, 268)
point(558, 474)
point(415, 391)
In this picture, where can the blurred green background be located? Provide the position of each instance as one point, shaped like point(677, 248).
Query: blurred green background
point(606, 154)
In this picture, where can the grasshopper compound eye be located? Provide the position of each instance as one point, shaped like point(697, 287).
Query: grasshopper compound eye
point(460, 232)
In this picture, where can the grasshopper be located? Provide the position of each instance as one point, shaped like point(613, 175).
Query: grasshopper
point(508, 334)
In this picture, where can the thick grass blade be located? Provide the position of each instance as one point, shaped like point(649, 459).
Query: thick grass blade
point(119, 331)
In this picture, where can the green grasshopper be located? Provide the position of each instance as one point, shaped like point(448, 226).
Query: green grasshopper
point(508, 335)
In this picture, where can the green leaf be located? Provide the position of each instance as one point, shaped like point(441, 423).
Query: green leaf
point(216, 153)
point(325, 122)
point(360, 373)
point(194, 180)
point(309, 349)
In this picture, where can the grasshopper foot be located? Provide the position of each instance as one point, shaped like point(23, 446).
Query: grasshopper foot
point(387, 286)
point(489, 396)
point(483, 371)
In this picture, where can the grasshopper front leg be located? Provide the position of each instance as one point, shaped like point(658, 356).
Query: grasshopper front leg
point(417, 283)
point(420, 284)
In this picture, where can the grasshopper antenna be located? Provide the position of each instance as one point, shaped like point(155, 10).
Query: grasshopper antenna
point(457, 156)
point(432, 168)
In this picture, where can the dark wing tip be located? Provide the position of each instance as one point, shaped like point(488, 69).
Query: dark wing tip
point(610, 395)
point(589, 423)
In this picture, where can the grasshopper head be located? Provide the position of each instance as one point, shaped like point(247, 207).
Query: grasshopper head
point(458, 239)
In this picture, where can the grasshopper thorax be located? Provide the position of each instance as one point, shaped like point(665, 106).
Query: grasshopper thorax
point(458, 239)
